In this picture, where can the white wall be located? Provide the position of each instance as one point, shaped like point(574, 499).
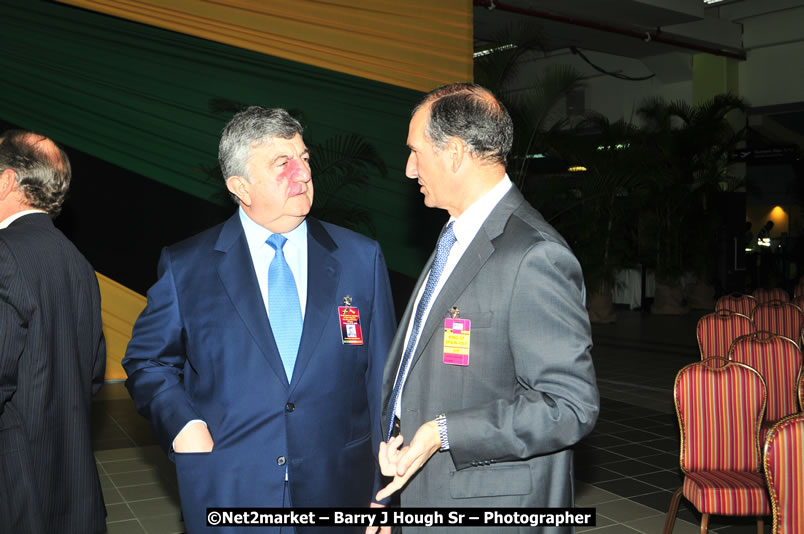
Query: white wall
point(774, 75)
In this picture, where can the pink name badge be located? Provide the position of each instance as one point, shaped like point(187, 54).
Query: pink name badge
point(456, 341)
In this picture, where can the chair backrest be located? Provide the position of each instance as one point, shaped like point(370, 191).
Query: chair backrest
point(716, 331)
point(719, 412)
point(766, 295)
point(781, 318)
point(801, 392)
point(784, 472)
point(798, 291)
point(744, 304)
point(778, 360)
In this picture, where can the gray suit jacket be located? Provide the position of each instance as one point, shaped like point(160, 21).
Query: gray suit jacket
point(529, 391)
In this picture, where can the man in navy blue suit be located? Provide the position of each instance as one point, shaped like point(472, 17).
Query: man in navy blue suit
point(259, 357)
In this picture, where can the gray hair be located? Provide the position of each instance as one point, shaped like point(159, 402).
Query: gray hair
point(252, 127)
point(472, 114)
point(42, 169)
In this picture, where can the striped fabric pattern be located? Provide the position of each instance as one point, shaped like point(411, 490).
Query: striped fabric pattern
point(784, 470)
point(719, 411)
point(767, 295)
point(781, 318)
point(727, 492)
point(801, 392)
point(743, 304)
point(778, 360)
point(799, 300)
point(799, 289)
point(716, 332)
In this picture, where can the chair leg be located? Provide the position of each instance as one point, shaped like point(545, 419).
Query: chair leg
point(704, 523)
point(672, 512)
point(760, 525)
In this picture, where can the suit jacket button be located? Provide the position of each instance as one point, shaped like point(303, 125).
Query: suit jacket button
point(290, 407)
point(281, 460)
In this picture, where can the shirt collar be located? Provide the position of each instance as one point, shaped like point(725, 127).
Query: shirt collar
point(467, 225)
point(256, 235)
point(10, 219)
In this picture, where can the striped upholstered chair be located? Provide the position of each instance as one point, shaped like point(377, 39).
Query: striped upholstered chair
point(716, 332)
point(801, 392)
point(720, 407)
point(737, 302)
point(767, 295)
point(778, 360)
point(798, 291)
point(782, 318)
point(784, 472)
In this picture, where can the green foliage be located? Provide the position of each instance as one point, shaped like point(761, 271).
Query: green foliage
point(601, 219)
point(689, 147)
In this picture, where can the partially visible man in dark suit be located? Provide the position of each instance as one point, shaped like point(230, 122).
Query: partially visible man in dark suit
point(52, 350)
point(259, 357)
point(490, 372)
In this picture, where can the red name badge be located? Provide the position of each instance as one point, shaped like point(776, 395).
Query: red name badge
point(456, 341)
point(351, 333)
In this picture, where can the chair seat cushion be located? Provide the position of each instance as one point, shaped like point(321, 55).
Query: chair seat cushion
point(727, 492)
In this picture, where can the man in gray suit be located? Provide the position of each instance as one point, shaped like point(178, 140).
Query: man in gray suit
point(490, 371)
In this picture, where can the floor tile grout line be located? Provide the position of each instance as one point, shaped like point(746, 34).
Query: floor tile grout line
point(636, 386)
point(114, 485)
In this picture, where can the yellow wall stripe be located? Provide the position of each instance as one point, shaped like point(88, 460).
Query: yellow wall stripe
point(418, 44)
point(120, 308)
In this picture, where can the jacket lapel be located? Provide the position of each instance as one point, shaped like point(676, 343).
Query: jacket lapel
point(323, 273)
point(236, 271)
point(473, 259)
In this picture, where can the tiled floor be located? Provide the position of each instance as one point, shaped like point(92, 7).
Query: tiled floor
point(627, 468)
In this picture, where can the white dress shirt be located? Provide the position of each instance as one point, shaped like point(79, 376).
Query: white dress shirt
point(262, 254)
point(466, 227)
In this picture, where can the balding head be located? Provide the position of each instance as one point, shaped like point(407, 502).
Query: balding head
point(474, 115)
point(41, 169)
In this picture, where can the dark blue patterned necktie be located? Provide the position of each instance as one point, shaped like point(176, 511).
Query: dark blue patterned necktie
point(445, 243)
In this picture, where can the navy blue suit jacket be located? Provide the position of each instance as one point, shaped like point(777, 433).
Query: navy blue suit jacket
point(203, 349)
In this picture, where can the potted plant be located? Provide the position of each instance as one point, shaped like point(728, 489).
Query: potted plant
point(688, 147)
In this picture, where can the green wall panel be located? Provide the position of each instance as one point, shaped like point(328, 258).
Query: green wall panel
point(139, 97)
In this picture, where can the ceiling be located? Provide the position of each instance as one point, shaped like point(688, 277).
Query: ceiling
point(628, 28)
point(645, 30)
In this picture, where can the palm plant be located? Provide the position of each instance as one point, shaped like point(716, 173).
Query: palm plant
point(688, 147)
point(601, 222)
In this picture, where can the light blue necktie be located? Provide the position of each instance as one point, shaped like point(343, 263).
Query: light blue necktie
point(283, 305)
point(445, 243)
